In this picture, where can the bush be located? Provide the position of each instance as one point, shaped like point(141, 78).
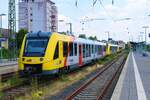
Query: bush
point(6, 54)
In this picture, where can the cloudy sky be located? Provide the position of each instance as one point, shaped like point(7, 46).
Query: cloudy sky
point(114, 18)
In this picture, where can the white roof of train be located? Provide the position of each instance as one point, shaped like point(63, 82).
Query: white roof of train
point(88, 41)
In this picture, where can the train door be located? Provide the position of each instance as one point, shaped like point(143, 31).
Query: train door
point(80, 54)
point(58, 55)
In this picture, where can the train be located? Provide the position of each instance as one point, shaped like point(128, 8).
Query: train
point(45, 53)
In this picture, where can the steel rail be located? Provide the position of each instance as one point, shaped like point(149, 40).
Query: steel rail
point(108, 83)
point(102, 70)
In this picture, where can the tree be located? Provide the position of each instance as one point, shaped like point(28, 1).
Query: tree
point(82, 36)
point(93, 38)
point(20, 35)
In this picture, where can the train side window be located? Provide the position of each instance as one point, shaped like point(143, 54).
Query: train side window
point(75, 48)
point(71, 48)
point(99, 49)
point(92, 49)
point(104, 48)
point(83, 50)
point(65, 49)
point(95, 48)
point(87, 50)
point(56, 54)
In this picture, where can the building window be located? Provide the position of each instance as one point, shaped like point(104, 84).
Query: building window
point(56, 53)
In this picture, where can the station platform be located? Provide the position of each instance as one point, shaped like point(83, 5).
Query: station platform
point(134, 81)
point(8, 63)
point(8, 67)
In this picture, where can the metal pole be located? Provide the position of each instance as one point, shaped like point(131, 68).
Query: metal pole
point(108, 35)
point(1, 34)
point(1, 23)
point(1, 56)
point(71, 28)
point(145, 35)
point(70, 25)
point(145, 27)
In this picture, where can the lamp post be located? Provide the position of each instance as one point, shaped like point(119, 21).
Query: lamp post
point(1, 15)
point(70, 25)
point(145, 27)
point(108, 35)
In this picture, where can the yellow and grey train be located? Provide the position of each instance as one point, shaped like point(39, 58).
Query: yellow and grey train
point(44, 53)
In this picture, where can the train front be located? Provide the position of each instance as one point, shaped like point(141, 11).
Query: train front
point(32, 53)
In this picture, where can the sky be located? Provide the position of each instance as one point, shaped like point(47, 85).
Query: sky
point(112, 15)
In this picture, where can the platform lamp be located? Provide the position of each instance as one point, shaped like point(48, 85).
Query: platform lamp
point(145, 27)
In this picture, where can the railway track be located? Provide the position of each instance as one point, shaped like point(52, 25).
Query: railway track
point(21, 89)
point(96, 88)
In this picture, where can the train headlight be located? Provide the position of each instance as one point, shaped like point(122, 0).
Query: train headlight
point(41, 59)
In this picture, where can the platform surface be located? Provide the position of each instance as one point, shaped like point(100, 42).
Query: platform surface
point(8, 67)
point(134, 81)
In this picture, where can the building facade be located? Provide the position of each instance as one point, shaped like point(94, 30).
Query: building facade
point(4, 38)
point(38, 15)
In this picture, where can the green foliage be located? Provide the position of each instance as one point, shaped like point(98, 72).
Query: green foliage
point(148, 48)
point(5, 53)
point(82, 36)
point(107, 58)
point(63, 77)
point(36, 94)
point(1, 93)
point(1, 35)
point(15, 80)
point(93, 38)
point(63, 33)
point(20, 35)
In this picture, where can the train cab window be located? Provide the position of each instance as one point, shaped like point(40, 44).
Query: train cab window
point(65, 49)
point(56, 54)
point(75, 49)
point(71, 48)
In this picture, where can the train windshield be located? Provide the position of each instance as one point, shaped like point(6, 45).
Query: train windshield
point(35, 47)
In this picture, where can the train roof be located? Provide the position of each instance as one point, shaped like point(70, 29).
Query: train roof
point(88, 41)
point(38, 34)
